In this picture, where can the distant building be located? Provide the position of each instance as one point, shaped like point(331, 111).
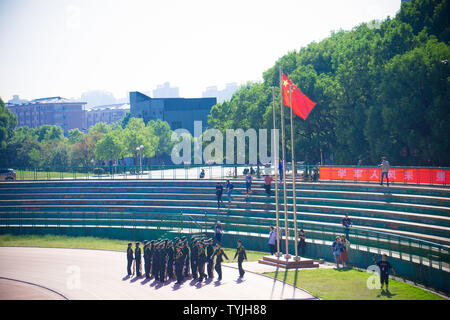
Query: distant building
point(53, 111)
point(107, 113)
point(166, 91)
point(221, 95)
point(17, 100)
point(178, 112)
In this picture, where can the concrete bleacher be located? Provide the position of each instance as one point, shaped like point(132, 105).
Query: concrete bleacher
point(420, 212)
point(410, 223)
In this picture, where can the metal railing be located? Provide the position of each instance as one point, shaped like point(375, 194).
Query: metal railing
point(310, 173)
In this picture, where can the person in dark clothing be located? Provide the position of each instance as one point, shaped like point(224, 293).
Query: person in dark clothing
point(384, 266)
point(170, 260)
point(301, 242)
point(156, 262)
point(218, 232)
point(240, 253)
point(280, 170)
point(152, 251)
point(162, 262)
point(218, 253)
point(186, 258)
point(209, 258)
point(229, 186)
point(194, 258)
point(347, 223)
point(219, 192)
point(147, 259)
point(137, 257)
point(130, 258)
point(179, 262)
point(201, 261)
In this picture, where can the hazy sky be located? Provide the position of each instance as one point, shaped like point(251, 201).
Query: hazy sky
point(62, 47)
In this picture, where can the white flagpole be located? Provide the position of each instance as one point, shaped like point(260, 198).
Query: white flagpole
point(275, 157)
point(294, 189)
point(287, 256)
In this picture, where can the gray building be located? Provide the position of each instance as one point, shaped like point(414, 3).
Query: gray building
point(166, 91)
point(107, 113)
point(178, 112)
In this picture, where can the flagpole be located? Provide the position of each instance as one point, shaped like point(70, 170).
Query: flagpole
point(287, 256)
point(275, 158)
point(294, 188)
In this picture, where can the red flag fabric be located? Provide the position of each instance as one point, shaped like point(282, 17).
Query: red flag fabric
point(301, 104)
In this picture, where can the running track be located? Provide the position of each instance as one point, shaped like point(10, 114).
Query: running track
point(50, 273)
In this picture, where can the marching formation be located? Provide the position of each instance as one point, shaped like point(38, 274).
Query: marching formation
point(166, 260)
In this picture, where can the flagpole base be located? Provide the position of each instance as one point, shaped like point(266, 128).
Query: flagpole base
point(278, 254)
point(287, 256)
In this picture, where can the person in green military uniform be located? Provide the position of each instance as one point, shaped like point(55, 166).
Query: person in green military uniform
point(240, 253)
point(162, 262)
point(137, 258)
point(156, 258)
point(201, 261)
point(170, 260)
point(130, 258)
point(186, 257)
point(179, 263)
point(219, 253)
point(147, 259)
point(194, 258)
point(152, 251)
point(209, 258)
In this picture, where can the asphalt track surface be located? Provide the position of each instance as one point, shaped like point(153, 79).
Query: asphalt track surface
point(53, 273)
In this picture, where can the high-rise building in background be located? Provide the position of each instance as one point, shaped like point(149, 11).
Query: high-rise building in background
point(58, 111)
point(108, 114)
point(178, 112)
point(166, 91)
point(221, 95)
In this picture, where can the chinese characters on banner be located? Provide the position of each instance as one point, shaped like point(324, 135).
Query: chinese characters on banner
point(397, 174)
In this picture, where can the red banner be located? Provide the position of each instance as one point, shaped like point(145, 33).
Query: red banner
point(397, 174)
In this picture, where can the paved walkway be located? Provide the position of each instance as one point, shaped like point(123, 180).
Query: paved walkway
point(96, 274)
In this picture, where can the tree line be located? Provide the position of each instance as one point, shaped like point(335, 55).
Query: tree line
point(382, 89)
point(47, 147)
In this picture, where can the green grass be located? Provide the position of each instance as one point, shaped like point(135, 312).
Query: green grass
point(39, 175)
point(349, 284)
point(51, 241)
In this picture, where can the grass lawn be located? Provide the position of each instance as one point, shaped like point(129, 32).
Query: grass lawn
point(39, 175)
point(349, 284)
point(51, 241)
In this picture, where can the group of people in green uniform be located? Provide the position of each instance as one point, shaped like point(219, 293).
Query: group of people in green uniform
point(166, 259)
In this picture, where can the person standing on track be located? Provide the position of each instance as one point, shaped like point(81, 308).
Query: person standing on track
point(240, 253)
point(218, 253)
point(170, 260)
point(201, 261)
point(147, 259)
point(194, 258)
point(209, 258)
point(179, 262)
point(130, 258)
point(186, 256)
point(137, 257)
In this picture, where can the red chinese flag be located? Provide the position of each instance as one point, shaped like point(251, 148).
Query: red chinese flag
point(301, 104)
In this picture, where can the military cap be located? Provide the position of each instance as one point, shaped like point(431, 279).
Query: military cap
point(183, 238)
point(153, 241)
point(129, 243)
point(210, 239)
